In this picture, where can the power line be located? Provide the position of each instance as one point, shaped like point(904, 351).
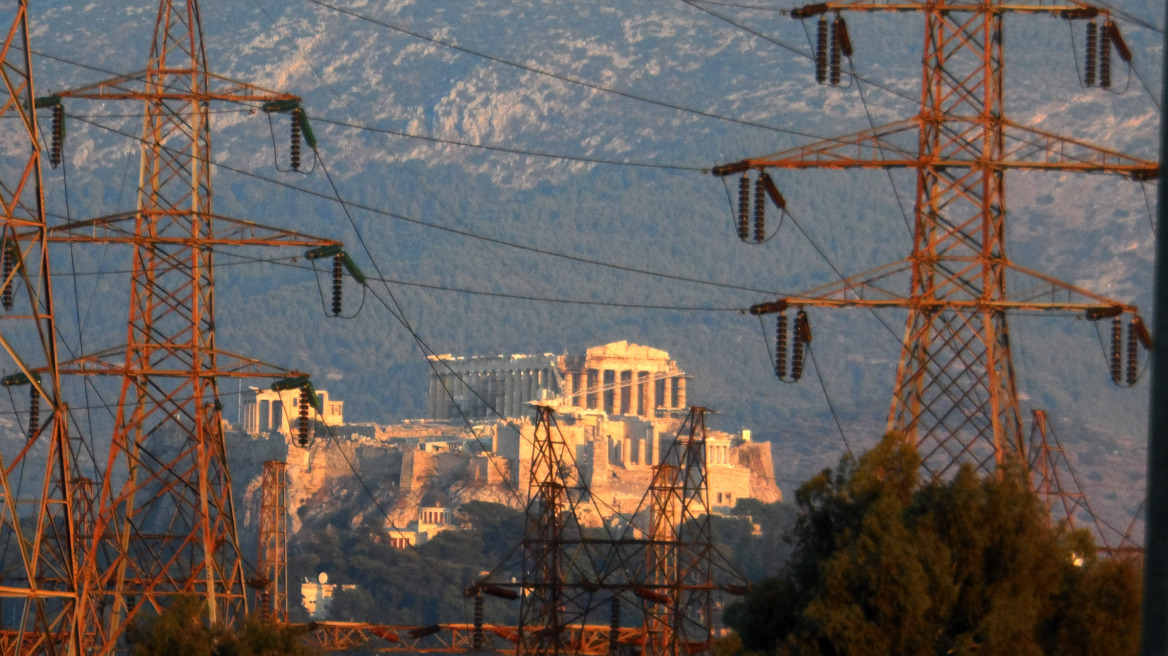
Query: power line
point(560, 76)
point(511, 150)
point(785, 46)
point(457, 231)
point(1131, 18)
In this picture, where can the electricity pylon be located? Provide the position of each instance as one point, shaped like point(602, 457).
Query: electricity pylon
point(676, 583)
point(38, 544)
point(271, 581)
point(1059, 488)
point(955, 395)
point(560, 566)
point(164, 522)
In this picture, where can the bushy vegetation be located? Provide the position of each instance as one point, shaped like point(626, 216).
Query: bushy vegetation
point(425, 585)
point(885, 564)
point(422, 585)
point(182, 629)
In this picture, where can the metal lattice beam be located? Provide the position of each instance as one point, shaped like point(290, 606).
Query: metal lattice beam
point(955, 395)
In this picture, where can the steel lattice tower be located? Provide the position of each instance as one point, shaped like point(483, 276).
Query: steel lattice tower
point(558, 563)
point(163, 519)
point(38, 543)
point(955, 395)
point(271, 579)
point(676, 585)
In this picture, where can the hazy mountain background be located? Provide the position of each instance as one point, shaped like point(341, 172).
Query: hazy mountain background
point(669, 88)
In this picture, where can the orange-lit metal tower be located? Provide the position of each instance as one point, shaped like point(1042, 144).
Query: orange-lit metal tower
point(164, 523)
point(271, 581)
point(559, 565)
point(1056, 484)
point(676, 585)
point(955, 395)
point(38, 543)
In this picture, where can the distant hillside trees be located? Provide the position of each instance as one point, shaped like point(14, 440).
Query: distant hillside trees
point(424, 585)
point(884, 564)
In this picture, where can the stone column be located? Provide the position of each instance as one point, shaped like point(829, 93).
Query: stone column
point(245, 407)
point(508, 393)
point(607, 397)
point(530, 380)
point(517, 400)
point(499, 385)
point(591, 382)
point(681, 400)
point(639, 393)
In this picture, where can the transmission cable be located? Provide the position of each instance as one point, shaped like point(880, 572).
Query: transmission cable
point(559, 76)
point(793, 49)
point(512, 150)
point(397, 311)
point(455, 231)
point(1128, 16)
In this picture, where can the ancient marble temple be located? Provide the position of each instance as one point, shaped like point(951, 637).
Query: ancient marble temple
point(618, 378)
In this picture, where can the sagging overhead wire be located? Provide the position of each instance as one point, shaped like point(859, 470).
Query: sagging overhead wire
point(769, 39)
point(559, 76)
point(332, 437)
point(294, 262)
point(511, 150)
point(393, 306)
point(455, 231)
point(583, 159)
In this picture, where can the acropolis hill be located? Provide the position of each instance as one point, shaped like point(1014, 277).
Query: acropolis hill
point(619, 405)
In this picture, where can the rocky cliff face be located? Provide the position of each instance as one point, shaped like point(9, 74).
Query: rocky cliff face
point(385, 481)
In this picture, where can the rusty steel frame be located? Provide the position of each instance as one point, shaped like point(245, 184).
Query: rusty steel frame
point(37, 535)
point(955, 395)
point(585, 640)
point(1057, 485)
point(163, 521)
point(663, 562)
point(677, 580)
point(271, 580)
point(556, 557)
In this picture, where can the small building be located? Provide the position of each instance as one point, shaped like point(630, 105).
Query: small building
point(264, 411)
point(431, 521)
point(317, 596)
point(402, 538)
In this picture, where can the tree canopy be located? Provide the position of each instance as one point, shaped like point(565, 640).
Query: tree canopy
point(182, 629)
point(886, 564)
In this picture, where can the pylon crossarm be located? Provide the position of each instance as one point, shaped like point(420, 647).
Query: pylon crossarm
point(871, 148)
point(1035, 292)
point(1025, 149)
point(135, 86)
point(967, 5)
point(1043, 286)
point(223, 231)
point(228, 365)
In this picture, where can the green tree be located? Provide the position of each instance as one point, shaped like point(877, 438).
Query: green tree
point(182, 629)
point(884, 564)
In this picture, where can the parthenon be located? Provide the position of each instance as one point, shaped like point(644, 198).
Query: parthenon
point(618, 378)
